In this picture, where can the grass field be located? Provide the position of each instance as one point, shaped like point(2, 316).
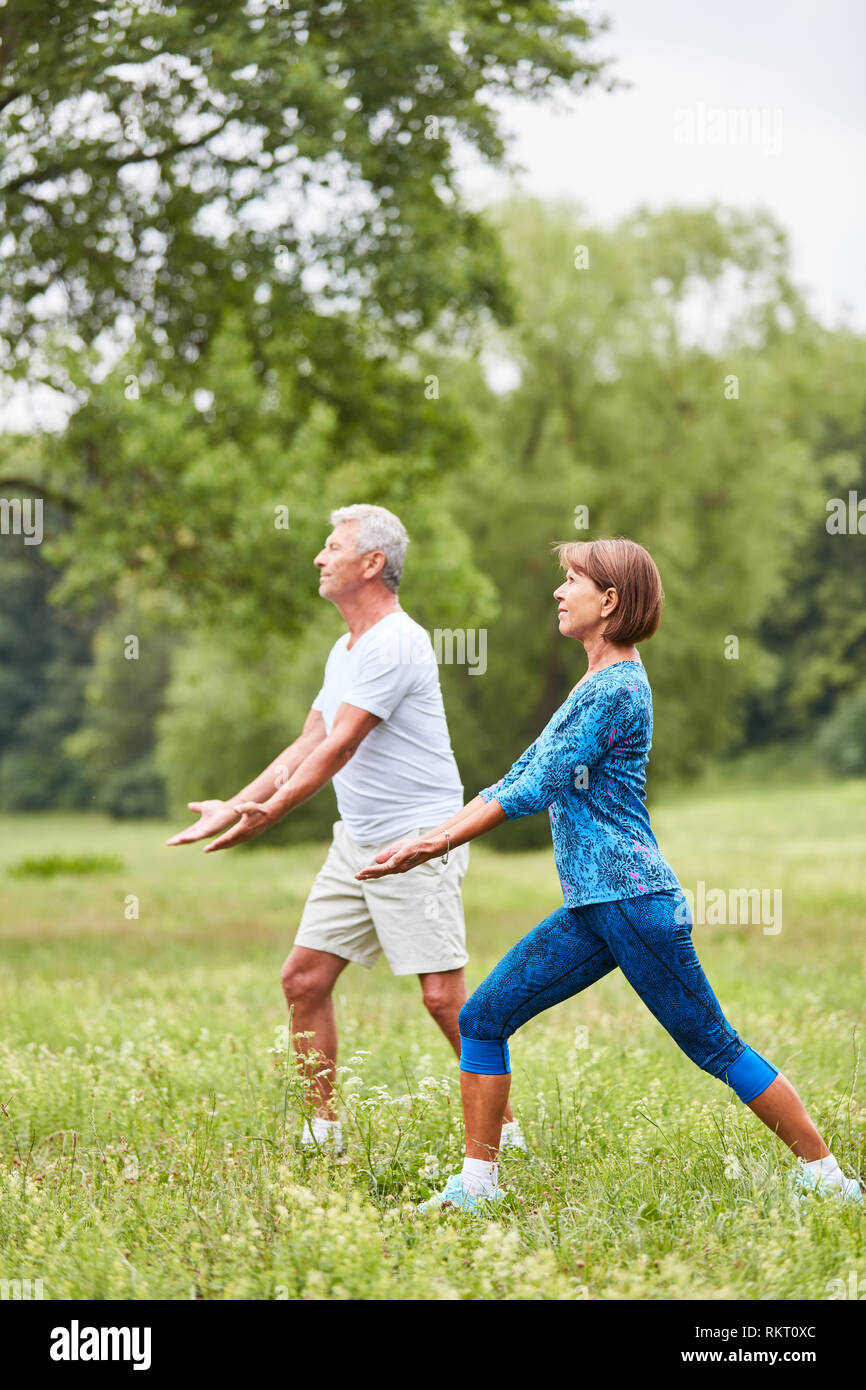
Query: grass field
point(148, 1137)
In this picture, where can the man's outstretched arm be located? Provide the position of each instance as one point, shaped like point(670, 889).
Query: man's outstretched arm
point(215, 815)
point(351, 726)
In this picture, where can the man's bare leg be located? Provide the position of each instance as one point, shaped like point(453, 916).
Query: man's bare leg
point(444, 993)
point(308, 982)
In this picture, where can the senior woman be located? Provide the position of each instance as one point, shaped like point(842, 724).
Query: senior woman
point(622, 904)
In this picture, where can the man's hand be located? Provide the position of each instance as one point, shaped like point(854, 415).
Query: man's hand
point(214, 816)
point(402, 856)
point(253, 820)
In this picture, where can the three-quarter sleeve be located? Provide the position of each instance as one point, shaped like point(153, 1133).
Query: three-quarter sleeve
point(516, 770)
point(570, 746)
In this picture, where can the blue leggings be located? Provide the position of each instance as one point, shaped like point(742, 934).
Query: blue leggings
point(651, 942)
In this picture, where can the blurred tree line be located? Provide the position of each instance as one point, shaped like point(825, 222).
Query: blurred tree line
point(719, 457)
point(256, 280)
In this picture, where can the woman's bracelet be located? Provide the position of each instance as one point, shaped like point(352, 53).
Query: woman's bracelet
point(448, 849)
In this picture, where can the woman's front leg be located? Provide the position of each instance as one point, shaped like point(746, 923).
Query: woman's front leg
point(784, 1113)
point(485, 1098)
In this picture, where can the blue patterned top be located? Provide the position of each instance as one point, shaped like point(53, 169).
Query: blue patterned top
point(587, 768)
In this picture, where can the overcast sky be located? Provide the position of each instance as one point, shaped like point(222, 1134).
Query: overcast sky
point(799, 65)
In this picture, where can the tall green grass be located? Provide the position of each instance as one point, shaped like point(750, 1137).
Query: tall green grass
point(148, 1137)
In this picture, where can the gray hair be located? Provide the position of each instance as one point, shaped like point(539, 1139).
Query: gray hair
point(378, 529)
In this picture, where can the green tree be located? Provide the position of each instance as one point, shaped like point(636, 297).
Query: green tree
point(816, 631)
point(162, 160)
point(223, 506)
point(44, 662)
point(622, 409)
point(264, 195)
point(116, 736)
point(227, 715)
point(841, 740)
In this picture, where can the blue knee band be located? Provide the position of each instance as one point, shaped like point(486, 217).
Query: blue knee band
point(750, 1075)
point(482, 1056)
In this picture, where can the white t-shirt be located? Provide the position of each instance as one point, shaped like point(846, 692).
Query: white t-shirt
point(404, 773)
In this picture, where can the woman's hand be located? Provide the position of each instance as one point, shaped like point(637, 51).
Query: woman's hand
point(253, 820)
point(402, 856)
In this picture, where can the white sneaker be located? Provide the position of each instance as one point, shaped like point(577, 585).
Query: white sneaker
point(512, 1136)
point(454, 1194)
point(324, 1136)
point(810, 1177)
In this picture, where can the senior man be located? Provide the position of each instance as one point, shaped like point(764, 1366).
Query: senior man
point(377, 728)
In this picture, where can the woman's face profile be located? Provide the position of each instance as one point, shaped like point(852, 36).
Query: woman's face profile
point(582, 606)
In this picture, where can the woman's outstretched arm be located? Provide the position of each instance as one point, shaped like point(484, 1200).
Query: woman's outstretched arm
point(465, 813)
point(474, 819)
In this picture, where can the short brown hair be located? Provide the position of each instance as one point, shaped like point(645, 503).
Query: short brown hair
point(625, 566)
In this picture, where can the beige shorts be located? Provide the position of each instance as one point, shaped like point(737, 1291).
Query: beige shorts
point(415, 918)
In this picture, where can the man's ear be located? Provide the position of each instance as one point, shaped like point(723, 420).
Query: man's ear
point(374, 563)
